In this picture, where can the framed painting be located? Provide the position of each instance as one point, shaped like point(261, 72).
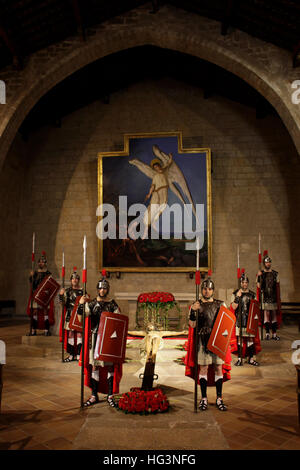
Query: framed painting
point(154, 205)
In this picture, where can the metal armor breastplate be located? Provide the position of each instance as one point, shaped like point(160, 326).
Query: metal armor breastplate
point(243, 308)
point(38, 278)
point(206, 320)
point(98, 307)
point(207, 317)
point(269, 286)
point(72, 294)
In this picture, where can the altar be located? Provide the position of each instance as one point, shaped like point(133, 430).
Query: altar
point(128, 303)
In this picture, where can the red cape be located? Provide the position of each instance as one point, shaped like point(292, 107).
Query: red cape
point(49, 312)
point(189, 361)
point(102, 384)
point(234, 342)
point(279, 311)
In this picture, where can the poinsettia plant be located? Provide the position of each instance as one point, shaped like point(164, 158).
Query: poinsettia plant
point(139, 401)
point(155, 306)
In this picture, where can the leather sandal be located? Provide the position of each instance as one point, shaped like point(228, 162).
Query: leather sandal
point(68, 359)
point(238, 362)
point(91, 401)
point(253, 362)
point(276, 338)
point(111, 401)
point(203, 405)
point(220, 405)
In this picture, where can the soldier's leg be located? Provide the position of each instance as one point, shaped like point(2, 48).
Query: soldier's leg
point(239, 362)
point(47, 325)
point(267, 323)
point(70, 347)
point(94, 387)
point(251, 352)
point(110, 381)
point(203, 387)
point(79, 345)
point(219, 386)
point(274, 324)
point(34, 323)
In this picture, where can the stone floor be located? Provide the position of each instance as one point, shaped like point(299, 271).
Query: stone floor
point(41, 399)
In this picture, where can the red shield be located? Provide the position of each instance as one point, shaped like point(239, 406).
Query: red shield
point(75, 323)
point(219, 339)
point(111, 338)
point(253, 317)
point(46, 291)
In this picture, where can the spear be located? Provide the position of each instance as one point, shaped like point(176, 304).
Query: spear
point(238, 263)
point(259, 251)
point(241, 325)
point(63, 307)
point(84, 279)
point(239, 304)
point(197, 282)
point(31, 282)
point(260, 296)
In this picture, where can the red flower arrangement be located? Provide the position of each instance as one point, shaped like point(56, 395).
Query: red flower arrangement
point(142, 402)
point(155, 306)
point(156, 297)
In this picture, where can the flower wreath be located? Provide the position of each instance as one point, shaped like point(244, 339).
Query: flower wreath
point(139, 401)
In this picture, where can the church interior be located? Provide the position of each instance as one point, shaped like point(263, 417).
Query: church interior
point(85, 86)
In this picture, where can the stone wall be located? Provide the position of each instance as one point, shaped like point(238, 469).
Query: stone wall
point(254, 187)
point(266, 67)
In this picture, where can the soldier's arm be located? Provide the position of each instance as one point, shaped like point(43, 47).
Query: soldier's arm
point(62, 296)
point(258, 278)
point(235, 298)
point(89, 307)
point(115, 307)
point(195, 307)
point(84, 304)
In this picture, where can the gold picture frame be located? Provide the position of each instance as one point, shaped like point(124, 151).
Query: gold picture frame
point(112, 173)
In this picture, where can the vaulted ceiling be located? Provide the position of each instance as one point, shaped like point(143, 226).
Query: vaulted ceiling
point(29, 25)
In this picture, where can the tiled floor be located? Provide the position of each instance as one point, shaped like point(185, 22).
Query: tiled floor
point(41, 398)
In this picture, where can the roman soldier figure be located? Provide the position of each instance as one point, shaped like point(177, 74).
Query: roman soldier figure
point(243, 343)
point(213, 370)
point(72, 339)
point(41, 318)
point(269, 291)
point(100, 376)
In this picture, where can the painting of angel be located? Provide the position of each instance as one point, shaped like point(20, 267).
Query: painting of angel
point(165, 180)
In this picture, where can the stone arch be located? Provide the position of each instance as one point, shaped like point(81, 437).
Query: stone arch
point(263, 66)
